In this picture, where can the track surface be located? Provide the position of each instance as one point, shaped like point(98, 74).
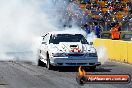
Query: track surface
point(24, 75)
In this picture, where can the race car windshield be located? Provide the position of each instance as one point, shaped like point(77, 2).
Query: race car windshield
point(55, 39)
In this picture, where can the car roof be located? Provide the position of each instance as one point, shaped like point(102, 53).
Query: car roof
point(64, 32)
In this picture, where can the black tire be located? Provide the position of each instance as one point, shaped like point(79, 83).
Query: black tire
point(49, 66)
point(92, 68)
point(40, 63)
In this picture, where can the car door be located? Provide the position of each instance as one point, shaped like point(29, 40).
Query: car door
point(44, 46)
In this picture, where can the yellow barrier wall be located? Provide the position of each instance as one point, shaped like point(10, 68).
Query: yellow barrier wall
point(129, 46)
point(117, 50)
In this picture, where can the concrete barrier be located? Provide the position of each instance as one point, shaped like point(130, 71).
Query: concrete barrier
point(117, 50)
point(129, 52)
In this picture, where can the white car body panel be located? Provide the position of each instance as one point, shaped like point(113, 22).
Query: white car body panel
point(68, 53)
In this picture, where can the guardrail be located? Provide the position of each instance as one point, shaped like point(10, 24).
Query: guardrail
point(117, 50)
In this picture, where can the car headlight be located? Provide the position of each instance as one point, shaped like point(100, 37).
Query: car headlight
point(58, 54)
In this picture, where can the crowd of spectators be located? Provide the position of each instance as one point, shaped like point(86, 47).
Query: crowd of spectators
point(106, 12)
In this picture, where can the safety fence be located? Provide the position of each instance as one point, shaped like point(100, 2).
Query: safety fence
point(117, 50)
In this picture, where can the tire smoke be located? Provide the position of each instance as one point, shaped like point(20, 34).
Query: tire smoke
point(102, 54)
point(23, 22)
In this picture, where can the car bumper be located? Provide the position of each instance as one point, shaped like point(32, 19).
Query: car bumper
point(74, 61)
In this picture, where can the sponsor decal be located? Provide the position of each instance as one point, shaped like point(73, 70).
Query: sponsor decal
point(83, 78)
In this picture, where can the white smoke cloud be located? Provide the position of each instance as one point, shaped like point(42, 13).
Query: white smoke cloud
point(102, 54)
point(91, 37)
point(22, 22)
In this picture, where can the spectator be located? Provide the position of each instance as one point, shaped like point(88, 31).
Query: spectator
point(87, 29)
point(85, 1)
point(115, 34)
point(97, 29)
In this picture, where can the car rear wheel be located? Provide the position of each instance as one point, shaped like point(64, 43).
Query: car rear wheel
point(40, 63)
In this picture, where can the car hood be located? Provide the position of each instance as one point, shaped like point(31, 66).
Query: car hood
point(70, 47)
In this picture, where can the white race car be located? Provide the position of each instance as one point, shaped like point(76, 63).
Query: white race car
point(65, 49)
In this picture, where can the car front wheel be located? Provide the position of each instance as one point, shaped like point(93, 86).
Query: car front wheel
point(49, 66)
